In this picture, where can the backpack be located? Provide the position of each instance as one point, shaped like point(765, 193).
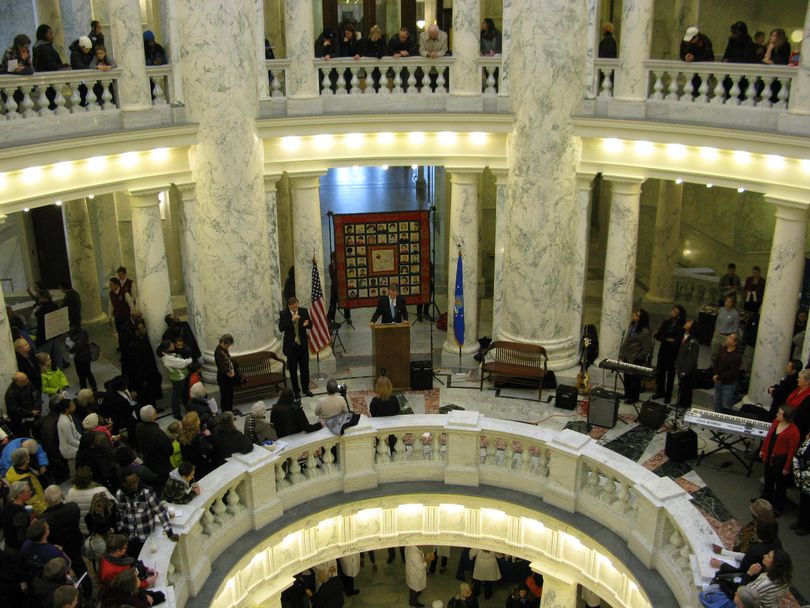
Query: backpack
point(715, 599)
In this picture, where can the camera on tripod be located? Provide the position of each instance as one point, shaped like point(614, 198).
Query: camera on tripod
point(343, 389)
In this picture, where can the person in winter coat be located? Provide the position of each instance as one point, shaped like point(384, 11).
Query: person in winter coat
point(180, 487)
point(416, 563)
point(636, 349)
point(46, 58)
point(20, 52)
point(69, 436)
point(81, 53)
point(154, 445)
point(349, 568)
point(78, 344)
point(801, 474)
point(257, 428)
point(486, 571)
point(777, 453)
point(196, 446)
point(670, 335)
point(464, 598)
point(178, 368)
point(228, 440)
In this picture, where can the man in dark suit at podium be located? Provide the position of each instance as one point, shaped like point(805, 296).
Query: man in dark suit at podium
point(391, 308)
point(294, 322)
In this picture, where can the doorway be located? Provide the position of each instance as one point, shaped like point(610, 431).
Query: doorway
point(49, 239)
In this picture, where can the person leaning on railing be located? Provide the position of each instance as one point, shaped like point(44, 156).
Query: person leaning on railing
point(19, 52)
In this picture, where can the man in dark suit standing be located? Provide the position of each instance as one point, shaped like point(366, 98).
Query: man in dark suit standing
point(294, 322)
point(686, 363)
point(391, 308)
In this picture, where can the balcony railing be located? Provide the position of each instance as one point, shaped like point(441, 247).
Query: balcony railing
point(386, 76)
point(571, 471)
point(58, 93)
point(277, 76)
point(161, 84)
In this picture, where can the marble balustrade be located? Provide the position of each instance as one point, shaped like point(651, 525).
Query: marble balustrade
point(277, 75)
point(564, 469)
point(605, 70)
point(26, 97)
point(749, 85)
point(490, 70)
point(161, 83)
point(386, 76)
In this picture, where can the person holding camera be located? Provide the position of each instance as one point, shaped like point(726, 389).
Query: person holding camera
point(333, 408)
point(294, 323)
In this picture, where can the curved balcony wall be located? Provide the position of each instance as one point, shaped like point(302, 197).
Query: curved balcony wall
point(653, 516)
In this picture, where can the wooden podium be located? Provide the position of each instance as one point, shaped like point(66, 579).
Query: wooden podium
point(391, 349)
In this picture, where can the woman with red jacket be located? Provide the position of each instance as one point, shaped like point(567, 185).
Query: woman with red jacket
point(799, 402)
point(777, 454)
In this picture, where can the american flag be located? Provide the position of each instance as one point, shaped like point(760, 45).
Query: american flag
point(319, 332)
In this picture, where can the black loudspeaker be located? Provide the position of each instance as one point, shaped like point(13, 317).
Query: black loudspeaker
point(566, 397)
point(603, 408)
point(681, 445)
point(652, 414)
point(421, 375)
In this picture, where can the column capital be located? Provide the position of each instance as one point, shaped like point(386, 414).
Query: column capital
point(147, 197)
point(464, 176)
point(271, 179)
point(788, 209)
point(501, 176)
point(585, 180)
point(623, 184)
point(187, 190)
point(306, 179)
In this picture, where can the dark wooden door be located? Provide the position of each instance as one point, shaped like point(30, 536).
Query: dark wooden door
point(49, 236)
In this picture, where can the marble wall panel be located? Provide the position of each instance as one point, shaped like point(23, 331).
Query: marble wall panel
point(12, 267)
point(82, 258)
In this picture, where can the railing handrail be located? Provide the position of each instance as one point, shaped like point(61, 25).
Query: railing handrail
point(277, 63)
point(719, 67)
point(693, 534)
point(606, 63)
point(159, 70)
point(489, 60)
point(50, 78)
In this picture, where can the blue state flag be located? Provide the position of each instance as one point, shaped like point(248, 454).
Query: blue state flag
point(458, 307)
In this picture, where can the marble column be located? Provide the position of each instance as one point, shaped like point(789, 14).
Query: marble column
point(8, 360)
point(154, 290)
point(781, 300)
point(464, 237)
point(171, 44)
point(466, 48)
point(302, 78)
point(126, 245)
point(105, 237)
point(169, 211)
point(272, 253)
point(666, 243)
point(49, 12)
point(286, 253)
point(133, 84)
point(634, 50)
point(591, 46)
point(620, 264)
point(501, 184)
point(76, 17)
point(82, 259)
point(261, 66)
point(582, 231)
point(800, 91)
point(506, 45)
point(541, 196)
point(188, 250)
point(558, 593)
point(234, 287)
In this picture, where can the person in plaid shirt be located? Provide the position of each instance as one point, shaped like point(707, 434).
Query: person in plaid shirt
point(137, 508)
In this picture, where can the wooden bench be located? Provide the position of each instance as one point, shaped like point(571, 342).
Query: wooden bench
point(516, 362)
point(256, 368)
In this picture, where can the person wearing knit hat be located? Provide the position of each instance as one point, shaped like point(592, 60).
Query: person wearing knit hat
point(90, 422)
point(153, 52)
point(81, 53)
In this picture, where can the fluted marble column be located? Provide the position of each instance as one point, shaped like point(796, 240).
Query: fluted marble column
point(8, 360)
point(234, 287)
point(781, 300)
point(105, 236)
point(82, 259)
point(49, 12)
point(286, 252)
point(154, 290)
point(800, 91)
point(634, 50)
point(123, 214)
point(501, 184)
point(302, 78)
point(558, 593)
point(188, 250)
point(133, 84)
point(272, 253)
point(666, 242)
point(541, 199)
point(582, 230)
point(466, 48)
point(463, 236)
point(620, 263)
point(169, 28)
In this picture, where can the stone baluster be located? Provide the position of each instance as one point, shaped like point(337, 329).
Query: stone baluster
point(281, 476)
point(10, 105)
point(59, 100)
point(75, 98)
point(492, 452)
point(340, 82)
point(418, 453)
point(312, 465)
point(219, 512)
point(233, 502)
point(382, 453)
point(436, 447)
point(672, 88)
point(658, 85)
point(623, 503)
point(489, 89)
point(750, 99)
point(606, 90)
point(295, 471)
point(688, 90)
point(328, 462)
point(397, 81)
point(508, 454)
point(207, 523)
point(107, 96)
point(719, 93)
point(325, 84)
point(703, 89)
point(412, 80)
point(441, 82)
point(355, 82)
point(93, 101)
point(157, 92)
point(275, 86)
point(782, 95)
point(42, 101)
point(608, 493)
point(399, 449)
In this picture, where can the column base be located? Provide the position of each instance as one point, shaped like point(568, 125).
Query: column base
point(563, 353)
point(450, 358)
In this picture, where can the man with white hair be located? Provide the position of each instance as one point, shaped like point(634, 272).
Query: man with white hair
point(155, 445)
point(14, 519)
point(433, 42)
point(63, 519)
point(34, 449)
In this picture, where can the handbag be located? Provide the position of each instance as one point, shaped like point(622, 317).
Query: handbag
point(95, 351)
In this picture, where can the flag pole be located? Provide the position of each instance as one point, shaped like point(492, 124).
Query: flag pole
point(458, 313)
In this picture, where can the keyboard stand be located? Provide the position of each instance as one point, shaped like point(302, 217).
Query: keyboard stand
point(725, 444)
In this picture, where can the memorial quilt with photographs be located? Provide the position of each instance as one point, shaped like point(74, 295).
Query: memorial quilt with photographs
point(373, 249)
